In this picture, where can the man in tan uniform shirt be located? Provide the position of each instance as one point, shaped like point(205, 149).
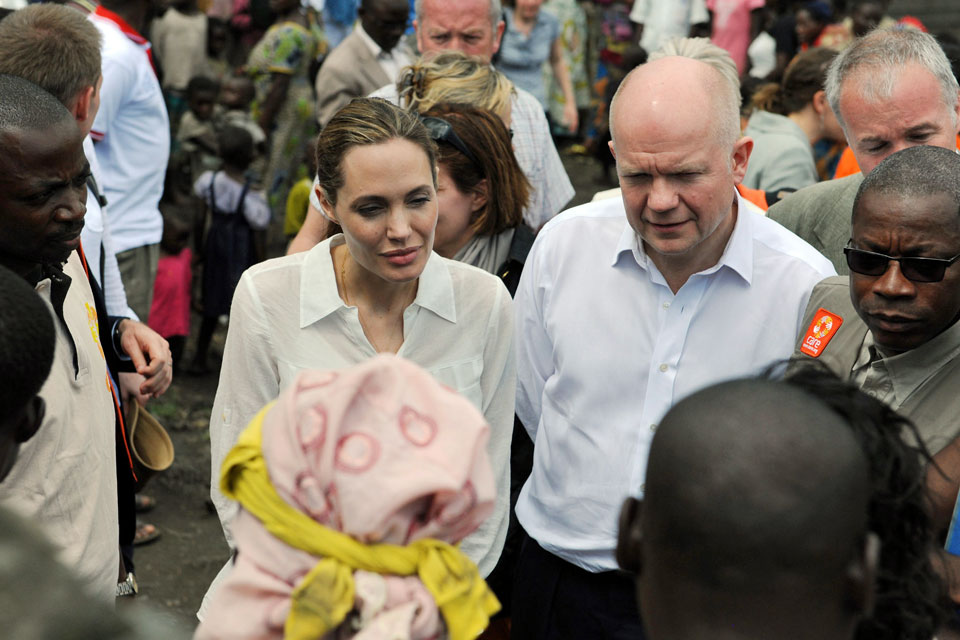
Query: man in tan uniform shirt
point(65, 479)
point(891, 326)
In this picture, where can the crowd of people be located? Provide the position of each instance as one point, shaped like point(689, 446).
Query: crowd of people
point(716, 401)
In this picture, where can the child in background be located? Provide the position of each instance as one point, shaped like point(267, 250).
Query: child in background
point(236, 94)
point(218, 43)
point(170, 311)
point(179, 41)
point(197, 136)
point(234, 211)
point(299, 198)
point(354, 486)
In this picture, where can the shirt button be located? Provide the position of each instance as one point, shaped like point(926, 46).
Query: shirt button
point(666, 305)
point(653, 427)
point(664, 367)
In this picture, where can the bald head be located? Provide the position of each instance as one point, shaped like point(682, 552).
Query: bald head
point(915, 172)
point(752, 465)
point(677, 91)
point(756, 500)
point(25, 106)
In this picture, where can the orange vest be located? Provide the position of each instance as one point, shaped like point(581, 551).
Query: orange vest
point(756, 196)
point(847, 166)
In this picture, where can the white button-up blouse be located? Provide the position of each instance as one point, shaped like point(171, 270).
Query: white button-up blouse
point(287, 316)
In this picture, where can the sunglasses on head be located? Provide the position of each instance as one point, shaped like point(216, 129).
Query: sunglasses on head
point(442, 131)
point(917, 269)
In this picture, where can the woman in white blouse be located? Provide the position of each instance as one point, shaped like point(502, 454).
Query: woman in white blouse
point(377, 287)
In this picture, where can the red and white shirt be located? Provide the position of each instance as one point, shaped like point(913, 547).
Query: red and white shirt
point(132, 133)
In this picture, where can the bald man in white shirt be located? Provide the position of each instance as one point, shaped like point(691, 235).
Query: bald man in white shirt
point(625, 307)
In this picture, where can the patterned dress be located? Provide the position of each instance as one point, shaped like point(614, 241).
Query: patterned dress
point(288, 48)
point(573, 36)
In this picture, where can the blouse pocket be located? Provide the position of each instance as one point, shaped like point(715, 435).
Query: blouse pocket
point(464, 377)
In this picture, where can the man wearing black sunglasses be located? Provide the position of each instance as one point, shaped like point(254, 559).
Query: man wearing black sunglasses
point(891, 326)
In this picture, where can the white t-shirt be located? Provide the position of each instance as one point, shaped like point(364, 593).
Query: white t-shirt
point(227, 192)
point(132, 136)
point(180, 43)
point(663, 20)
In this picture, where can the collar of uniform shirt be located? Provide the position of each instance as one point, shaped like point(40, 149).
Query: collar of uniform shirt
point(910, 369)
point(318, 287)
point(59, 284)
point(737, 255)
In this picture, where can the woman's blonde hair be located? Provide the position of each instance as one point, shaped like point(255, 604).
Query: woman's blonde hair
point(362, 122)
point(454, 77)
point(487, 138)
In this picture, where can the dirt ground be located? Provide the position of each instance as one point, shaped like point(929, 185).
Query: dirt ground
point(175, 570)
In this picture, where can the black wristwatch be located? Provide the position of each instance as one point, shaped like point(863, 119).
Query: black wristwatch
point(115, 337)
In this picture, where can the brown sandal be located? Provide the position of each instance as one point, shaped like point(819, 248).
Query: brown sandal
point(145, 533)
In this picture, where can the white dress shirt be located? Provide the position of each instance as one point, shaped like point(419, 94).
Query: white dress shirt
point(287, 316)
point(536, 155)
point(605, 348)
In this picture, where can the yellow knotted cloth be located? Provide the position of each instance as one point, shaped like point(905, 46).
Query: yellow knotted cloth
point(325, 596)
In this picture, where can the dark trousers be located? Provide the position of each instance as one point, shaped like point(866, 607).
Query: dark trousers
point(555, 600)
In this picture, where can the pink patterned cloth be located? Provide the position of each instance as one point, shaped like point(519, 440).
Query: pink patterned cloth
point(380, 451)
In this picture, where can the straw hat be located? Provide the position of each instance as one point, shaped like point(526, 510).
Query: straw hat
point(150, 445)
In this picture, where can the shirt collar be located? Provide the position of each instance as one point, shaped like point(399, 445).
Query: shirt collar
point(125, 26)
point(59, 284)
point(318, 286)
point(318, 283)
point(910, 369)
point(737, 255)
point(128, 31)
point(371, 43)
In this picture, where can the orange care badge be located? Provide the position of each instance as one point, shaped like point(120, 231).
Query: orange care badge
point(822, 329)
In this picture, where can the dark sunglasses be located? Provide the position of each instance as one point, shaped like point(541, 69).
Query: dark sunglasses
point(917, 269)
point(441, 131)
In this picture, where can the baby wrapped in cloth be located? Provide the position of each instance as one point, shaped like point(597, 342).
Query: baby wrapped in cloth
point(353, 484)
